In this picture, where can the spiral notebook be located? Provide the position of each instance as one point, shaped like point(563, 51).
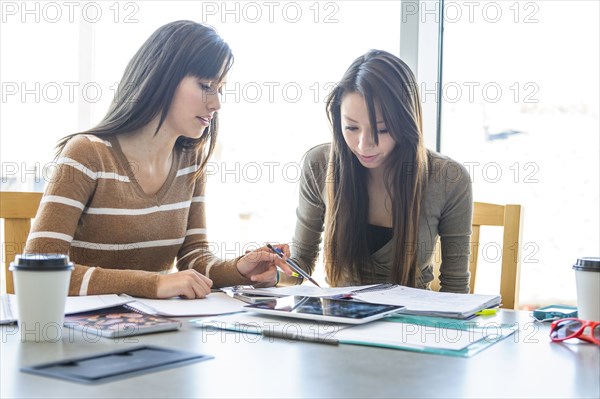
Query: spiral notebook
point(428, 303)
point(119, 322)
point(414, 300)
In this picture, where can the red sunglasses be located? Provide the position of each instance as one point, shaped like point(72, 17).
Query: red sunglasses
point(563, 329)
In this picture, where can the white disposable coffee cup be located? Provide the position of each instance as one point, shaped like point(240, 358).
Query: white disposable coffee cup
point(587, 279)
point(41, 287)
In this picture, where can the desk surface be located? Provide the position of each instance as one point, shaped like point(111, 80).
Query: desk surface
point(526, 364)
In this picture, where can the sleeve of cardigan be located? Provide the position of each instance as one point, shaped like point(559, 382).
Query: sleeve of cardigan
point(455, 229)
point(310, 214)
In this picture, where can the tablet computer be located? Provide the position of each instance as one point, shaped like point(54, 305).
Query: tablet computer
point(323, 309)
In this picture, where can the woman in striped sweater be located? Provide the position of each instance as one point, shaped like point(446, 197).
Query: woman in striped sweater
point(127, 196)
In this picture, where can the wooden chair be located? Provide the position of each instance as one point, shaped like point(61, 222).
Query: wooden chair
point(510, 217)
point(17, 210)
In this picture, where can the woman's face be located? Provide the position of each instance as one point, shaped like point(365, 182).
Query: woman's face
point(356, 129)
point(193, 106)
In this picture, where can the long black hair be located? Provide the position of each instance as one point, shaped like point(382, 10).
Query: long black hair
point(387, 83)
point(173, 52)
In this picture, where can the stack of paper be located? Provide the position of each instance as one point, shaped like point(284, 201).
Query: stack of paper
point(430, 303)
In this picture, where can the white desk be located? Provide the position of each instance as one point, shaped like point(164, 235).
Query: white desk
point(524, 365)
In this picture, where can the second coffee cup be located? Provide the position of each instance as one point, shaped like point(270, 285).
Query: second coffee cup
point(587, 279)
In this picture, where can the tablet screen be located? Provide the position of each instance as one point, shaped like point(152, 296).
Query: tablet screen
point(325, 309)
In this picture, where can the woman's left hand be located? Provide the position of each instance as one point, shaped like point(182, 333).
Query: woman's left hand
point(261, 264)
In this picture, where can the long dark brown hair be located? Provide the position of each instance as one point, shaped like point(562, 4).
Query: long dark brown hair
point(174, 51)
point(384, 81)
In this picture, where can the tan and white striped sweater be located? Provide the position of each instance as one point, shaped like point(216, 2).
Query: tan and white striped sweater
point(118, 236)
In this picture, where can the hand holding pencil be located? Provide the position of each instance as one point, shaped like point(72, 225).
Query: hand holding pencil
point(292, 264)
point(261, 266)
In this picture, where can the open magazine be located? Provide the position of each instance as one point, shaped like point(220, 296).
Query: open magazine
point(119, 322)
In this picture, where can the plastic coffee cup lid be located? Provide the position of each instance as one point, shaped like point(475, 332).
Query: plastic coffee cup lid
point(41, 262)
point(587, 264)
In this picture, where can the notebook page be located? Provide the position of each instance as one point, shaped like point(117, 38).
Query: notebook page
point(214, 304)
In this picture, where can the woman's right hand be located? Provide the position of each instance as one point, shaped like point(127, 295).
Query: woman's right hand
point(188, 284)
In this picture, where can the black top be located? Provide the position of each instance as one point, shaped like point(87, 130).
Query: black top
point(377, 237)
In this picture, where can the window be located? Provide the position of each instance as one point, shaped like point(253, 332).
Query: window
point(520, 110)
